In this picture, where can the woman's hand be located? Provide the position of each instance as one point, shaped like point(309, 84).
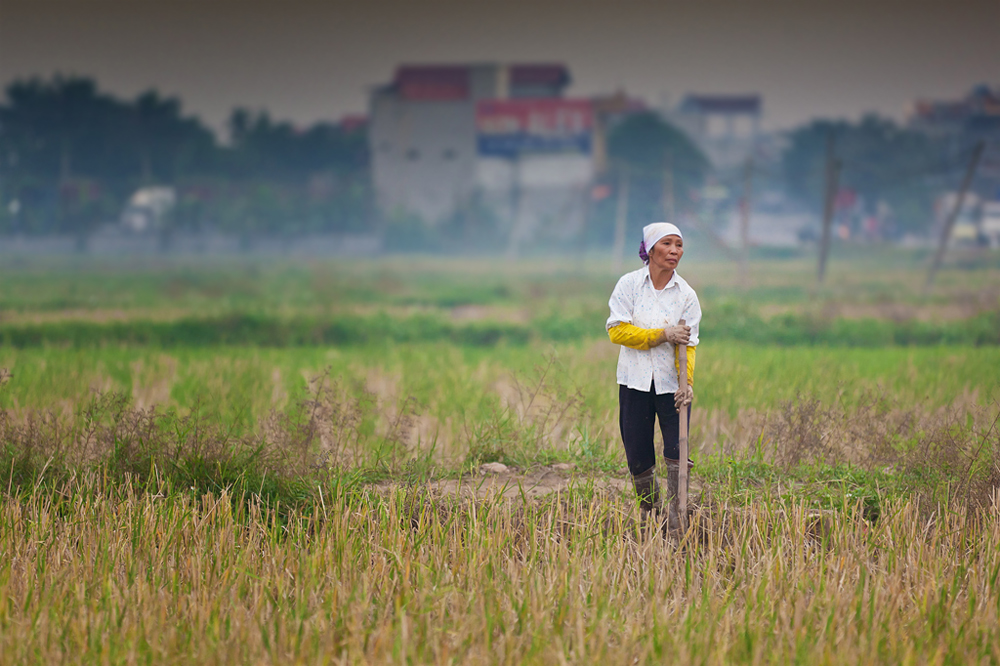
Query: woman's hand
point(683, 397)
point(675, 335)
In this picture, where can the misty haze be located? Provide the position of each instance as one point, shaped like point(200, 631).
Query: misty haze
point(518, 333)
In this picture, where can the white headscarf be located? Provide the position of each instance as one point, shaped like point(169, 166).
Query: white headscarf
point(652, 233)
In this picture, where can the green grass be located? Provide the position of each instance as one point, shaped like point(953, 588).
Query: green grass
point(206, 286)
point(249, 462)
point(449, 379)
point(439, 411)
point(874, 300)
point(345, 329)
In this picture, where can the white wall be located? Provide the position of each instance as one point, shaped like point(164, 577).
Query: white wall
point(549, 196)
point(423, 155)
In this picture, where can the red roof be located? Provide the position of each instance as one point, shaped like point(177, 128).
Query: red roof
point(353, 122)
point(618, 103)
point(534, 75)
point(433, 82)
point(931, 110)
point(722, 103)
point(451, 82)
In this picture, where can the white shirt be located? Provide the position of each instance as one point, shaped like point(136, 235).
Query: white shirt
point(635, 301)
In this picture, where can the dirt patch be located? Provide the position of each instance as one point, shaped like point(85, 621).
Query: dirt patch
point(899, 312)
point(505, 314)
point(531, 483)
point(152, 379)
point(93, 315)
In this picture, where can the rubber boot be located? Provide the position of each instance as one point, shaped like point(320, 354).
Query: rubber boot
point(648, 490)
point(673, 483)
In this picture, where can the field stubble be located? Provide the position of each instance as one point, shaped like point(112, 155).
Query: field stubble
point(309, 504)
point(123, 575)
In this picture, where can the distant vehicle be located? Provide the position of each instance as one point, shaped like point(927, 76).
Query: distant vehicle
point(969, 223)
point(147, 207)
point(989, 224)
point(965, 233)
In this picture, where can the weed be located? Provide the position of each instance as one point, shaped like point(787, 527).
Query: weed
point(872, 450)
point(410, 576)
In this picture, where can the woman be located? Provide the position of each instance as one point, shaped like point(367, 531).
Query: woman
point(646, 306)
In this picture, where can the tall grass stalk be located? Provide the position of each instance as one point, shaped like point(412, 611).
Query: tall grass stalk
point(406, 576)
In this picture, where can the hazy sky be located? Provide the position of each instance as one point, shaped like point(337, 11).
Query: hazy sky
point(308, 59)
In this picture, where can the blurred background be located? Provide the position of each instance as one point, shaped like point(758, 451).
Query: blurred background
point(328, 129)
point(288, 286)
point(402, 221)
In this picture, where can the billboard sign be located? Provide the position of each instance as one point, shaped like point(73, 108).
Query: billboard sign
point(512, 127)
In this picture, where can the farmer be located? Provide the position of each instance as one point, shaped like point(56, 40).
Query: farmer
point(646, 306)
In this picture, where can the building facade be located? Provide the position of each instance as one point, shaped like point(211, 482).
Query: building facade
point(441, 135)
point(976, 113)
point(725, 127)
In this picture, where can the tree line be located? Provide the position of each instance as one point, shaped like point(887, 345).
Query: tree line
point(71, 155)
point(888, 172)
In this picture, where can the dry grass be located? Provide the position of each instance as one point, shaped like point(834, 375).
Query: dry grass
point(126, 577)
point(373, 430)
point(144, 535)
point(947, 453)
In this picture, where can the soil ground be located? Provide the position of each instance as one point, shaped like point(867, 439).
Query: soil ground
point(493, 479)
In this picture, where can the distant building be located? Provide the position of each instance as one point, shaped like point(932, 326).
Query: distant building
point(725, 127)
point(442, 134)
point(353, 123)
point(960, 124)
point(608, 111)
point(976, 113)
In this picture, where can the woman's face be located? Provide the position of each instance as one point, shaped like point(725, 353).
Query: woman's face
point(667, 252)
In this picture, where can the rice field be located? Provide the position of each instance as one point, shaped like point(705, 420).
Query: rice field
point(327, 503)
point(126, 576)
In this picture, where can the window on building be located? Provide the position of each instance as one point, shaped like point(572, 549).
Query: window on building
point(743, 126)
point(413, 154)
point(717, 125)
point(449, 154)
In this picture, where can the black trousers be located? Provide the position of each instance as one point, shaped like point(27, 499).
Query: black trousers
point(636, 411)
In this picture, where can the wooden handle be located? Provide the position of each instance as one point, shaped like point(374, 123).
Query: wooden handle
point(682, 462)
point(682, 355)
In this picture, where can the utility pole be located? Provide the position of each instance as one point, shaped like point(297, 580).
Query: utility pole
point(949, 222)
point(621, 217)
point(586, 206)
point(829, 199)
point(668, 188)
point(745, 221)
point(516, 209)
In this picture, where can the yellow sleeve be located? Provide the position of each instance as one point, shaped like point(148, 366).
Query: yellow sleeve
point(633, 336)
point(677, 364)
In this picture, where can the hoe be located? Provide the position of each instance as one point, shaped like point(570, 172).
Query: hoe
point(682, 471)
